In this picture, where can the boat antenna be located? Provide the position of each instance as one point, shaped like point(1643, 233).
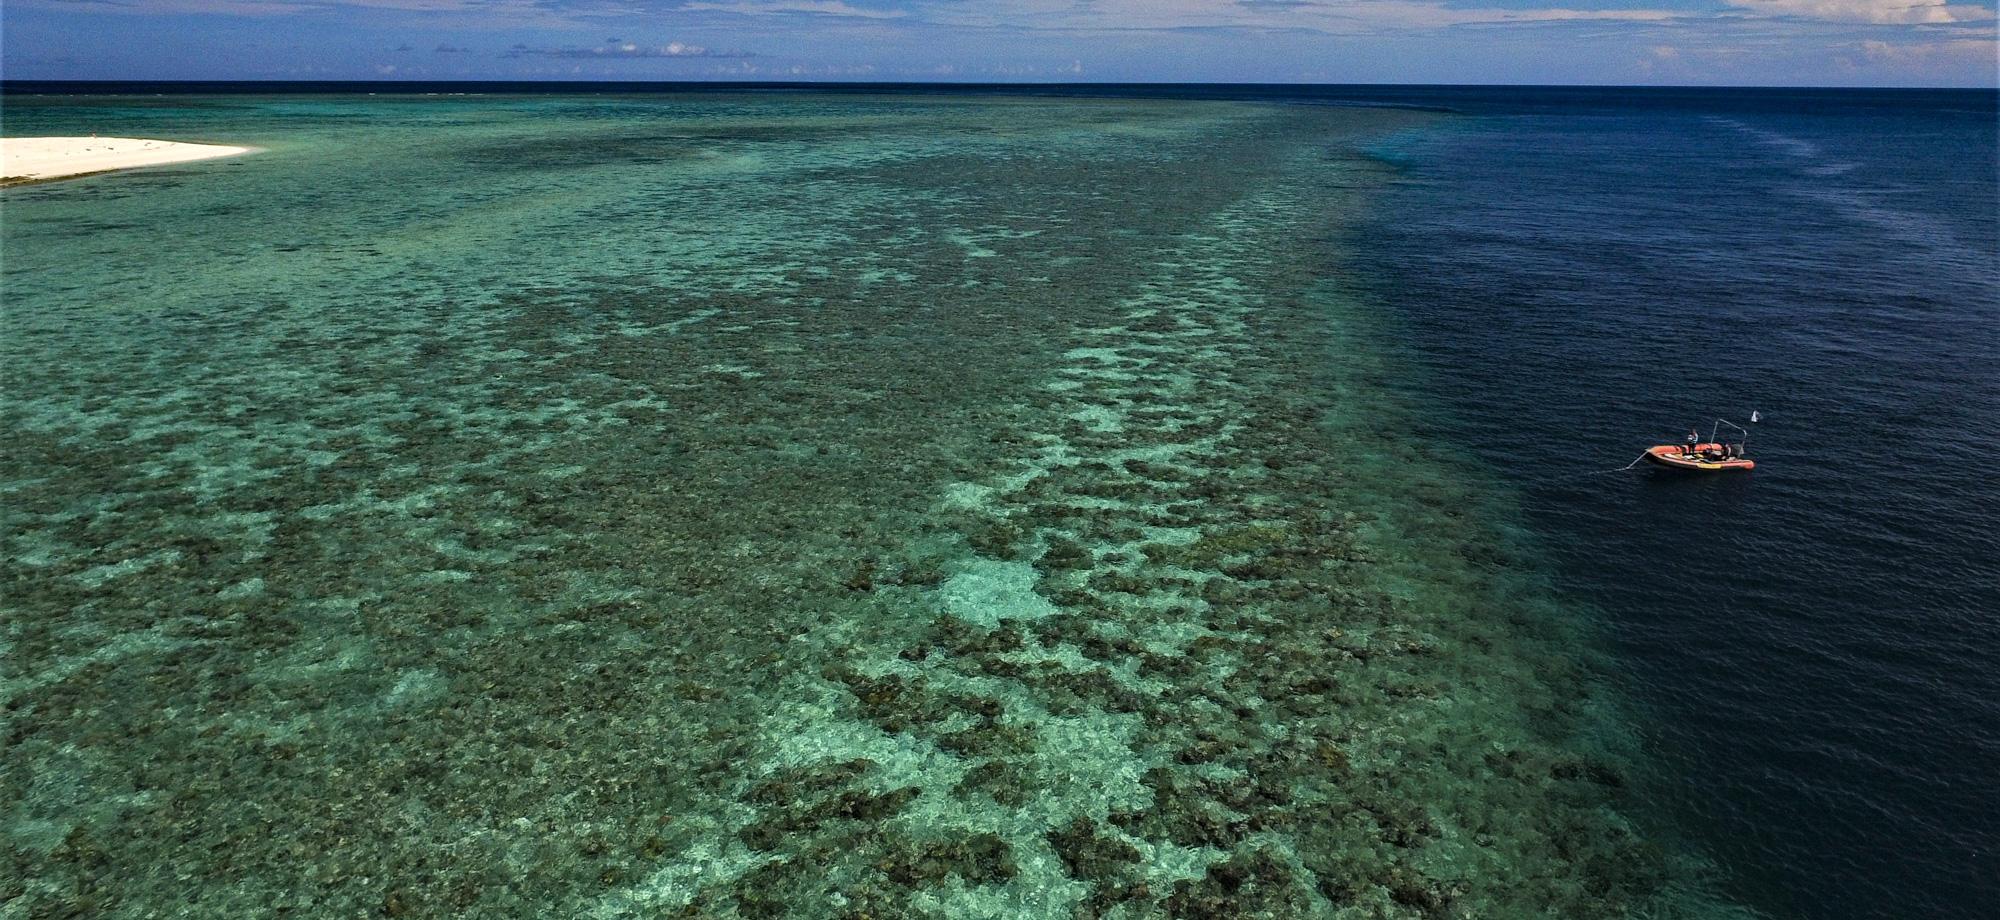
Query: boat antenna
point(1717, 429)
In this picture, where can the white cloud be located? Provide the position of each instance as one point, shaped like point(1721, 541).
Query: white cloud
point(1878, 12)
point(777, 7)
point(1334, 17)
point(487, 10)
point(830, 70)
point(624, 50)
point(1925, 52)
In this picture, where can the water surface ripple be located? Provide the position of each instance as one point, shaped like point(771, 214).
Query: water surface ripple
point(1816, 642)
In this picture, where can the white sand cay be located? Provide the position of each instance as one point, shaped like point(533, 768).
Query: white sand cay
point(31, 159)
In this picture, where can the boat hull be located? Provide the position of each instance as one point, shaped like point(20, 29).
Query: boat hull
point(1670, 456)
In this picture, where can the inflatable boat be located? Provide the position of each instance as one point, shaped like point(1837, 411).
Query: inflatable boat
point(1707, 458)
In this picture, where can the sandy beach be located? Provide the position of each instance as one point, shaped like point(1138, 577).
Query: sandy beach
point(33, 159)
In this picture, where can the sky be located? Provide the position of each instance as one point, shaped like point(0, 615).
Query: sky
point(1676, 42)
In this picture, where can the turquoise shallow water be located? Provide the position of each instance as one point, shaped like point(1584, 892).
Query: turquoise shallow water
point(758, 506)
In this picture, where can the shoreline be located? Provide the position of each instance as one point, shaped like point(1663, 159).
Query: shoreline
point(26, 160)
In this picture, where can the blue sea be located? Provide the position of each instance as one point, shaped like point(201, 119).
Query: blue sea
point(763, 501)
point(1816, 643)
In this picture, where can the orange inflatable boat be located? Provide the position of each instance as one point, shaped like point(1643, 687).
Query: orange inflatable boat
point(1708, 458)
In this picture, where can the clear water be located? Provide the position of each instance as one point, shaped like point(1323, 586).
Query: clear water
point(895, 505)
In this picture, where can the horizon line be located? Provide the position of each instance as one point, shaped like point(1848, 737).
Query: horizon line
point(558, 81)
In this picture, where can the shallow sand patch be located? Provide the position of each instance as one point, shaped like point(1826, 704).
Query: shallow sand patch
point(36, 159)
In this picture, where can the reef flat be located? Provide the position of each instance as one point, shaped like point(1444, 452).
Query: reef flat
point(762, 507)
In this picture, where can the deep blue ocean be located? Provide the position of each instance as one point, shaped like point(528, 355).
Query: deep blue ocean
point(1816, 643)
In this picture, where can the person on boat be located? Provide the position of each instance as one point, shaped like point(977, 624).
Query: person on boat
point(1693, 441)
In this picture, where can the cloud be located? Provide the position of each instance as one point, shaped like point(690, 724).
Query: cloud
point(488, 11)
point(830, 70)
point(1685, 40)
point(838, 8)
point(1327, 17)
point(1877, 12)
point(614, 51)
point(1925, 52)
point(157, 7)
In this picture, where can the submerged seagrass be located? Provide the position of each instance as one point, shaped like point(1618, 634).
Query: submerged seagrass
point(758, 507)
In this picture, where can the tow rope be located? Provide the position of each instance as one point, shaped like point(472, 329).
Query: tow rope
point(1641, 458)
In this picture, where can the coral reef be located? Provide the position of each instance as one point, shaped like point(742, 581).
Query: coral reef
point(778, 507)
